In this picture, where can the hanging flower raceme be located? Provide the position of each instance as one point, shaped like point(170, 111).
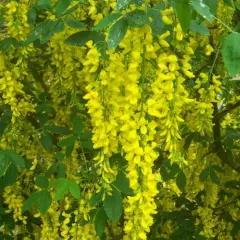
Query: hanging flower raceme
point(167, 100)
point(16, 18)
point(99, 115)
point(13, 94)
point(116, 99)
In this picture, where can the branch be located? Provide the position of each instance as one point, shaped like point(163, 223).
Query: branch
point(218, 146)
point(233, 201)
point(229, 108)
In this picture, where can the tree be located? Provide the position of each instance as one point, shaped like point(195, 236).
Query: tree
point(119, 119)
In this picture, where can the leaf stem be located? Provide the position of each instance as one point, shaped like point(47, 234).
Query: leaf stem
point(226, 26)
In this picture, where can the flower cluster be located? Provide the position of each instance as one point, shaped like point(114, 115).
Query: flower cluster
point(74, 108)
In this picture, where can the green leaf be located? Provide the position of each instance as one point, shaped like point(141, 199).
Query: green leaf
point(35, 34)
point(62, 185)
point(44, 4)
point(9, 222)
point(58, 168)
point(61, 172)
point(202, 9)
point(85, 136)
point(138, 2)
point(1, 15)
point(96, 198)
point(74, 23)
point(113, 205)
point(122, 4)
point(72, 9)
point(74, 189)
point(181, 180)
point(58, 182)
point(190, 137)
point(103, 237)
point(4, 163)
point(52, 169)
point(87, 144)
point(69, 144)
point(122, 183)
point(137, 18)
point(200, 28)
point(157, 23)
point(69, 149)
point(16, 159)
point(2, 211)
point(33, 198)
point(183, 13)
point(62, 5)
point(47, 142)
point(81, 38)
point(237, 5)
point(164, 173)
point(6, 44)
point(233, 184)
point(231, 53)
point(236, 228)
point(100, 221)
point(58, 130)
point(42, 181)
point(174, 170)
point(5, 121)
point(102, 48)
point(204, 174)
point(231, 135)
point(78, 125)
point(45, 107)
point(229, 3)
point(214, 177)
point(10, 176)
point(42, 198)
point(32, 15)
point(51, 28)
point(116, 33)
point(213, 5)
point(59, 156)
point(107, 21)
point(45, 201)
point(44, 31)
point(217, 168)
point(67, 141)
point(6, 237)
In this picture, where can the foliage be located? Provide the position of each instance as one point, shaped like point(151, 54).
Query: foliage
point(119, 119)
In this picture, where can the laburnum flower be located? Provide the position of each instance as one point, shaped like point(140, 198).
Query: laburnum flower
point(209, 50)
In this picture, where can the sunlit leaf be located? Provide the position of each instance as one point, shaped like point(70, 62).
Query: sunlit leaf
point(117, 33)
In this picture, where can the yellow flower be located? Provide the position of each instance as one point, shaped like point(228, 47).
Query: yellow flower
point(208, 50)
